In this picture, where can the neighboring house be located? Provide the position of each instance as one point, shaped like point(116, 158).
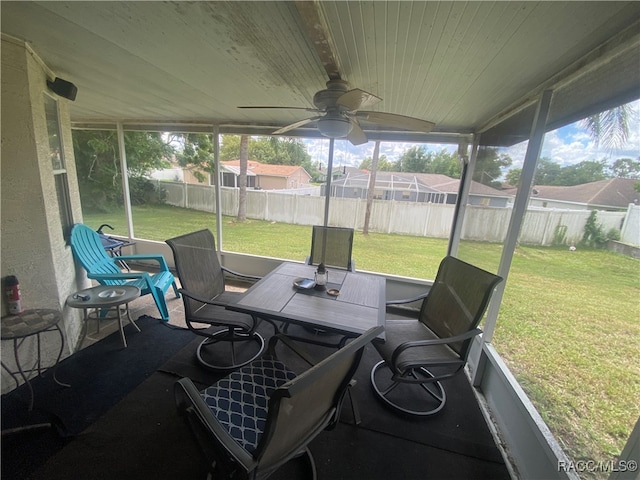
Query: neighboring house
point(613, 194)
point(415, 187)
point(479, 194)
point(264, 176)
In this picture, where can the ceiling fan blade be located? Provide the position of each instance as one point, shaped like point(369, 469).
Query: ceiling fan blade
point(356, 135)
point(295, 125)
point(286, 108)
point(356, 99)
point(397, 121)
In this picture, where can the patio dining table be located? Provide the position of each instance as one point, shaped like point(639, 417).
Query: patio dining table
point(358, 305)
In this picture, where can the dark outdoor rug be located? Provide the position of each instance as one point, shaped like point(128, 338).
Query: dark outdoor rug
point(143, 437)
point(100, 376)
point(459, 428)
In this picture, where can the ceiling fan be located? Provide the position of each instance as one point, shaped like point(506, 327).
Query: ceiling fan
point(339, 110)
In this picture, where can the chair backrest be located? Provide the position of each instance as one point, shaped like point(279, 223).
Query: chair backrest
point(457, 300)
point(303, 407)
point(198, 266)
point(332, 246)
point(87, 248)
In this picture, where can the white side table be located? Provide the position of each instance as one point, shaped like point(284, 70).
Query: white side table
point(101, 297)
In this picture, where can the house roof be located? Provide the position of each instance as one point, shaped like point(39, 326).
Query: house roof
point(385, 180)
point(428, 182)
point(470, 67)
point(613, 192)
point(447, 184)
point(266, 169)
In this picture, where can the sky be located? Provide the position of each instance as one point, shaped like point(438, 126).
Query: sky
point(567, 146)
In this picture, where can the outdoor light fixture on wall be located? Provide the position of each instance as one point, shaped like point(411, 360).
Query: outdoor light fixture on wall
point(63, 88)
point(333, 127)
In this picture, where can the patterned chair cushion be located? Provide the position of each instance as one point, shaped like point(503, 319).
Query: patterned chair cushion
point(240, 400)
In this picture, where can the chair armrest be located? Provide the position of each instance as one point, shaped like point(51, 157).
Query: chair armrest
point(435, 341)
point(158, 258)
point(241, 275)
point(401, 301)
point(117, 276)
point(201, 299)
point(288, 343)
point(124, 276)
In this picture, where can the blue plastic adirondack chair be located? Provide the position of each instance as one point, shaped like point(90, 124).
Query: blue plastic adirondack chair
point(88, 250)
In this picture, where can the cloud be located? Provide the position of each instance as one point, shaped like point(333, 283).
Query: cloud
point(352, 155)
point(573, 144)
point(567, 146)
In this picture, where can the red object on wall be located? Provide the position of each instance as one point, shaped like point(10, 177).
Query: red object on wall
point(12, 290)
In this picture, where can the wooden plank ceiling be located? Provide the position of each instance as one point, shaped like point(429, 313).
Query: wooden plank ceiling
point(462, 65)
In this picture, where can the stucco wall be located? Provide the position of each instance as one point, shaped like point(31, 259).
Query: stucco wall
point(266, 182)
point(33, 245)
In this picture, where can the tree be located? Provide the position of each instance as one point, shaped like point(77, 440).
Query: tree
point(272, 150)
point(414, 160)
point(98, 166)
point(489, 165)
point(611, 128)
point(372, 186)
point(625, 168)
point(512, 177)
point(196, 151)
point(445, 163)
point(551, 173)
point(583, 172)
point(384, 165)
point(242, 179)
point(418, 160)
point(547, 172)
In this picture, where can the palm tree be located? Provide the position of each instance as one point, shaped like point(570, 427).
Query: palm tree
point(611, 127)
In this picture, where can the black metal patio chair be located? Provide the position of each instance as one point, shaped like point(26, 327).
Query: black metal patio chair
point(423, 351)
point(204, 294)
point(332, 246)
point(255, 420)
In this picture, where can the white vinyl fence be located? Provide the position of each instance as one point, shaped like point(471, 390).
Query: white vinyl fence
point(542, 227)
point(630, 233)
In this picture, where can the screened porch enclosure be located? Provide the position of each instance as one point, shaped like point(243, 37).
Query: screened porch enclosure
point(488, 74)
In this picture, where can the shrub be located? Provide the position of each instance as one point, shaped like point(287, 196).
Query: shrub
point(594, 235)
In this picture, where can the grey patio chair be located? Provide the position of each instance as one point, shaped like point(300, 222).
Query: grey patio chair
point(420, 352)
point(204, 295)
point(338, 250)
point(255, 420)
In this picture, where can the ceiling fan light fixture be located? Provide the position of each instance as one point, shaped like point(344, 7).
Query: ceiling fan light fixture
point(334, 127)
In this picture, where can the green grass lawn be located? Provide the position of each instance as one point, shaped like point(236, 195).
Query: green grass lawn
point(568, 327)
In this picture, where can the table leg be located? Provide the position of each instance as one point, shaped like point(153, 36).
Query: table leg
point(124, 340)
point(130, 320)
point(83, 331)
point(13, 375)
point(55, 368)
point(24, 376)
